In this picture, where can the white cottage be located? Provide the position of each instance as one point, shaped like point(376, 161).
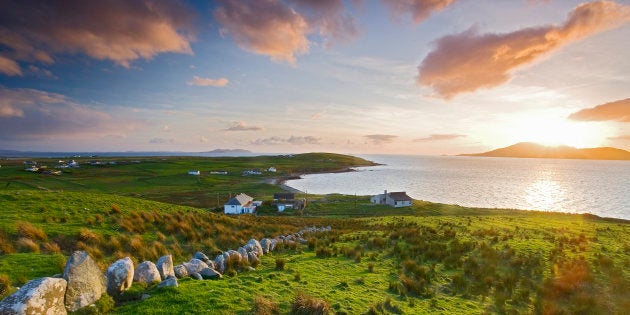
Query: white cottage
point(241, 204)
point(394, 199)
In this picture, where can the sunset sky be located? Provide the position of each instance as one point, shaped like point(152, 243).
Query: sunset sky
point(389, 76)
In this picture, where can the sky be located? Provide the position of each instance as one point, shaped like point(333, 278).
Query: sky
point(423, 77)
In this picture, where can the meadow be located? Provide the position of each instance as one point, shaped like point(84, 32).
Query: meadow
point(428, 258)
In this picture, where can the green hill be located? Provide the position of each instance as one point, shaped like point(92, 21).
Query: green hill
point(534, 150)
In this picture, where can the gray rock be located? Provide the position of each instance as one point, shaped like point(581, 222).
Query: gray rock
point(169, 282)
point(195, 265)
point(234, 256)
point(250, 268)
point(39, 296)
point(219, 263)
point(272, 244)
point(243, 253)
point(147, 272)
point(165, 266)
point(86, 282)
point(208, 273)
point(196, 276)
point(201, 256)
point(180, 271)
point(255, 246)
point(144, 296)
point(302, 240)
point(253, 258)
point(119, 276)
point(265, 243)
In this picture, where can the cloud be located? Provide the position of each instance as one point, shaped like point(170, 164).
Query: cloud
point(620, 138)
point(420, 10)
point(119, 30)
point(439, 137)
point(29, 114)
point(161, 141)
point(381, 139)
point(614, 111)
point(280, 29)
point(241, 126)
point(9, 67)
point(469, 61)
point(293, 140)
point(221, 82)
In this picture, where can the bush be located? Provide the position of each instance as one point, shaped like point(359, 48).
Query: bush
point(5, 285)
point(265, 306)
point(280, 262)
point(26, 245)
point(27, 230)
point(304, 304)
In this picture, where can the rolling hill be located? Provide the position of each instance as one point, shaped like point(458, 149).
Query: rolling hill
point(534, 150)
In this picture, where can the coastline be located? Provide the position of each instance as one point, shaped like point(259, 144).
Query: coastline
point(280, 181)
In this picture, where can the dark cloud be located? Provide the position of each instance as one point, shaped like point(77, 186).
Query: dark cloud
point(439, 137)
point(293, 140)
point(241, 126)
point(420, 10)
point(29, 114)
point(613, 111)
point(280, 29)
point(469, 61)
point(117, 30)
point(381, 139)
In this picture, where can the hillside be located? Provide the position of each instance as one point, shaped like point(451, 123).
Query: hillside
point(534, 150)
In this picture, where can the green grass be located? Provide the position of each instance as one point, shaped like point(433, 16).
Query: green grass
point(425, 259)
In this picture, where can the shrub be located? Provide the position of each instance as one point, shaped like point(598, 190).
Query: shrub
point(52, 248)
point(27, 230)
point(265, 306)
point(5, 285)
point(115, 209)
point(304, 304)
point(280, 262)
point(89, 237)
point(26, 245)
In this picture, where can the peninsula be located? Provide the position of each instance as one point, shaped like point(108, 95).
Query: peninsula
point(535, 150)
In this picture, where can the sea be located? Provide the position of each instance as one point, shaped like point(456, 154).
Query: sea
point(599, 187)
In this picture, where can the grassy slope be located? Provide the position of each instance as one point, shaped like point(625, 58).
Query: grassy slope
point(497, 239)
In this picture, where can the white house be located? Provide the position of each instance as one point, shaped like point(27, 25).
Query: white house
point(194, 172)
point(241, 204)
point(272, 169)
point(394, 199)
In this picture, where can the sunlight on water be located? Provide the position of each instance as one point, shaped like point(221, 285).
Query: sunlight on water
point(544, 194)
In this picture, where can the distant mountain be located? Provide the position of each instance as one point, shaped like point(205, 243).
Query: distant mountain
point(534, 150)
point(41, 154)
point(228, 151)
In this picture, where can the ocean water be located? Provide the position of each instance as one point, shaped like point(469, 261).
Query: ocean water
point(575, 186)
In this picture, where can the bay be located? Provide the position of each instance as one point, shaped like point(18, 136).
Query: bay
point(574, 186)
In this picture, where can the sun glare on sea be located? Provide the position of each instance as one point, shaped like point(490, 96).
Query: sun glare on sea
point(555, 132)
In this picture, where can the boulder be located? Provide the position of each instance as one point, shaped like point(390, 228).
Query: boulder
point(272, 244)
point(264, 243)
point(196, 276)
point(243, 253)
point(201, 256)
point(180, 271)
point(147, 272)
point(208, 273)
point(219, 263)
point(39, 296)
point(165, 266)
point(255, 246)
point(235, 257)
point(302, 240)
point(195, 265)
point(119, 276)
point(169, 282)
point(253, 259)
point(86, 282)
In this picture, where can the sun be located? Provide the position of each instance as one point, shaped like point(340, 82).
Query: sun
point(557, 131)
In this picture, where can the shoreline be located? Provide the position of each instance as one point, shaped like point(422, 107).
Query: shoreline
point(281, 181)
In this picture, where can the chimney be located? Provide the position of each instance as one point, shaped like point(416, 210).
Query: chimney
point(385, 192)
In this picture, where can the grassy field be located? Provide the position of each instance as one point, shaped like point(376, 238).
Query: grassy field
point(428, 258)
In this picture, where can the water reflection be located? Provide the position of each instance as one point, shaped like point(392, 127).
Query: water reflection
point(544, 194)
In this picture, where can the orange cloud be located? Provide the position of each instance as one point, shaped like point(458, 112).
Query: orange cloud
point(119, 30)
point(615, 111)
point(280, 29)
point(420, 10)
point(620, 138)
point(9, 67)
point(439, 137)
point(221, 82)
point(381, 139)
point(265, 27)
point(469, 61)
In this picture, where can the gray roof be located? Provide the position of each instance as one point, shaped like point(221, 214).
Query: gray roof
point(398, 196)
point(239, 200)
